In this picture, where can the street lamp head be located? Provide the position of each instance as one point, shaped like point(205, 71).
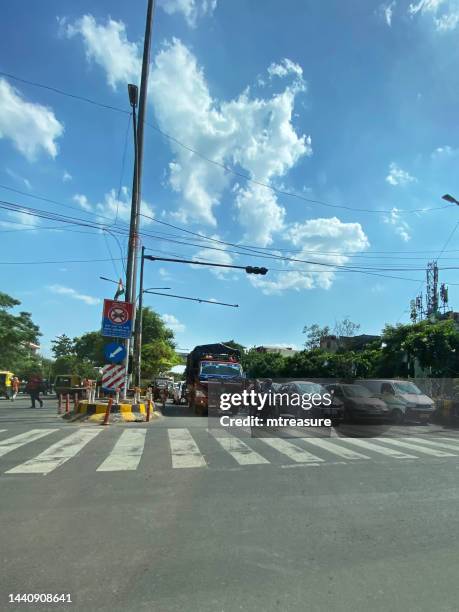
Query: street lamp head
point(449, 198)
point(133, 94)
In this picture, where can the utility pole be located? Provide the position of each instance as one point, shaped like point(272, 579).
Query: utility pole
point(138, 329)
point(131, 268)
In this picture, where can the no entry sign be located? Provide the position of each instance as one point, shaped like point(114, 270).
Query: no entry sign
point(117, 319)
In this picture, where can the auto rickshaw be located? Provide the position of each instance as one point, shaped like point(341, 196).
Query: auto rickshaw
point(5, 384)
point(67, 383)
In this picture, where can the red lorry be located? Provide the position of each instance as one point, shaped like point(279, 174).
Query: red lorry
point(209, 364)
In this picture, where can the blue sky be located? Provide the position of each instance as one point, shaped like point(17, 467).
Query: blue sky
point(351, 104)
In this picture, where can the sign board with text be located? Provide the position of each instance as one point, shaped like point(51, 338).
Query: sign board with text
point(117, 319)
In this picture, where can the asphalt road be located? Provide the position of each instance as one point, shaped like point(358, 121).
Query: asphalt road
point(169, 517)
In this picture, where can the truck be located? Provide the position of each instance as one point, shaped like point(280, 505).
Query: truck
point(208, 364)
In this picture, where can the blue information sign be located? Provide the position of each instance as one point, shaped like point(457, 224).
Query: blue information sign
point(114, 352)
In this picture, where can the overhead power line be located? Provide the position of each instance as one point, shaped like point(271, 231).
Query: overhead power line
point(223, 166)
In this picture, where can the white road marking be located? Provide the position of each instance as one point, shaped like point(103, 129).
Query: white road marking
point(382, 450)
point(2, 430)
point(10, 444)
point(126, 453)
point(242, 453)
point(297, 454)
point(417, 447)
point(184, 450)
point(441, 443)
point(56, 454)
point(334, 448)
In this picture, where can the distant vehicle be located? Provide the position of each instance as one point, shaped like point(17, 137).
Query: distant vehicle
point(359, 402)
point(404, 399)
point(67, 383)
point(160, 386)
point(177, 393)
point(5, 384)
point(333, 410)
point(210, 363)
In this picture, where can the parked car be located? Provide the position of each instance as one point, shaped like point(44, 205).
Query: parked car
point(359, 402)
point(404, 399)
point(334, 410)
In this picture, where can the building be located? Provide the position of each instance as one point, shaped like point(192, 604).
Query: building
point(332, 343)
point(285, 351)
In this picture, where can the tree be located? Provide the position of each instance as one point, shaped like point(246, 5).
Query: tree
point(62, 346)
point(90, 347)
point(17, 332)
point(345, 328)
point(157, 356)
point(154, 328)
point(314, 334)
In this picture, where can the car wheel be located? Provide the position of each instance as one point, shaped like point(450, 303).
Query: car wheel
point(397, 416)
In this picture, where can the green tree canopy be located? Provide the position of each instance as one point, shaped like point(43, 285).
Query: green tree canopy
point(17, 332)
point(62, 346)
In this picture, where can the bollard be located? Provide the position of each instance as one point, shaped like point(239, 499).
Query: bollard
point(117, 396)
point(59, 404)
point(67, 404)
point(148, 410)
point(107, 412)
point(75, 402)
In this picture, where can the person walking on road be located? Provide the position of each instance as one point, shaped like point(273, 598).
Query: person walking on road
point(33, 388)
point(14, 387)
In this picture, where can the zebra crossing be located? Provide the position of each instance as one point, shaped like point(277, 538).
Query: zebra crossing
point(184, 449)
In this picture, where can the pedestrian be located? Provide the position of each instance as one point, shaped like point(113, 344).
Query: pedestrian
point(33, 388)
point(14, 387)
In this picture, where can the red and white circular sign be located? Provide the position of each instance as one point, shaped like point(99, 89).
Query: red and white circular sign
point(118, 314)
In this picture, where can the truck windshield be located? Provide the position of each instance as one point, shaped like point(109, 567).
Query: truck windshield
point(211, 368)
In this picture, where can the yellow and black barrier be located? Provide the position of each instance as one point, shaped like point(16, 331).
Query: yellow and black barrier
point(95, 411)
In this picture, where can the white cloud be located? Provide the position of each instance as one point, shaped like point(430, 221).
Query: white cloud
point(401, 227)
point(387, 11)
point(20, 218)
point(173, 323)
point(284, 68)
point(107, 45)
point(17, 177)
point(31, 127)
point(220, 257)
point(61, 290)
point(82, 201)
point(120, 208)
point(444, 13)
point(331, 242)
point(397, 176)
point(256, 134)
point(164, 273)
point(192, 10)
point(66, 177)
point(442, 152)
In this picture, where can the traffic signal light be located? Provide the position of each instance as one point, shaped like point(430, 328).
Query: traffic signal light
point(255, 270)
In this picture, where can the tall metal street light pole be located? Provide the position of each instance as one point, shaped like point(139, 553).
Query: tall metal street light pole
point(131, 267)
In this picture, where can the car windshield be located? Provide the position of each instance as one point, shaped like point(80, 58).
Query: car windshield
point(356, 391)
point(227, 369)
point(407, 387)
point(309, 387)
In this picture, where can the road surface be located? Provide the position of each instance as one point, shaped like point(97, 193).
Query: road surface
point(171, 517)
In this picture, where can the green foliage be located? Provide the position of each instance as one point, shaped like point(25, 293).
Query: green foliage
point(17, 331)
point(62, 346)
point(314, 334)
point(157, 356)
point(90, 347)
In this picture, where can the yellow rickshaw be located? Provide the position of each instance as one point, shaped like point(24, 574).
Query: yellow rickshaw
point(6, 389)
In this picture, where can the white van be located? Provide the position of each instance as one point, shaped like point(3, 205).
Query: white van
point(403, 397)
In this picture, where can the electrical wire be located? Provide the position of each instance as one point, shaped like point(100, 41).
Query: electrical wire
point(219, 164)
